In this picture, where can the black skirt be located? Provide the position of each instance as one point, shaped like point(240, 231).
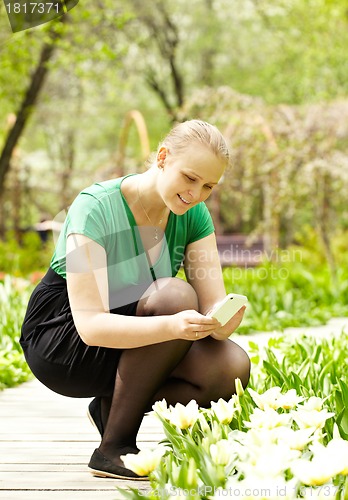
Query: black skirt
point(54, 350)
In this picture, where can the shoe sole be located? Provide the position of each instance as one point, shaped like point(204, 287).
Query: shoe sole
point(101, 473)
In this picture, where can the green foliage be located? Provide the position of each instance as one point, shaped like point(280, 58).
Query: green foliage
point(314, 366)
point(25, 258)
point(281, 51)
point(289, 292)
point(298, 385)
point(30, 259)
point(14, 296)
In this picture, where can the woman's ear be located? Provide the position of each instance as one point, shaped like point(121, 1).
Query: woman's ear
point(161, 156)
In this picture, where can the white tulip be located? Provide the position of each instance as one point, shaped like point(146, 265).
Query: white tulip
point(144, 462)
point(313, 403)
point(224, 410)
point(268, 461)
point(311, 418)
point(295, 440)
point(289, 400)
point(268, 419)
point(222, 452)
point(266, 400)
point(183, 416)
point(314, 473)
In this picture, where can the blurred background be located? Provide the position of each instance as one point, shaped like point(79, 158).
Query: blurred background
point(87, 98)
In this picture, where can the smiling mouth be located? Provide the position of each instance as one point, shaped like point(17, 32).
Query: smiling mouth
point(183, 200)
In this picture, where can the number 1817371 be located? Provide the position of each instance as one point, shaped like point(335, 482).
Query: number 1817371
point(32, 7)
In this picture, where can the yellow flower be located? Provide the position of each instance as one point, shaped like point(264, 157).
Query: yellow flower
point(313, 403)
point(295, 440)
point(239, 387)
point(216, 431)
point(224, 410)
point(236, 402)
point(144, 462)
point(222, 452)
point(314, 473)
point(338, 447)
point(273, 398)
point(336, 452)
point(289, 400)
point(278, 460)
point(183, 416)
point(311, 418)
point(327, 462)
point(266, 400)
point(268, 419)
point(161, 408)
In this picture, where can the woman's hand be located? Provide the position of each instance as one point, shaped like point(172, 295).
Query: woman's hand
point(191, 325)
point(225, 331)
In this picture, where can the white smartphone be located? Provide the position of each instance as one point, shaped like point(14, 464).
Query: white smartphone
point(228, 307)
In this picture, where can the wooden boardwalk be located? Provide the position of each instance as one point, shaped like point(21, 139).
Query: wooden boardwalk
point(46, 441)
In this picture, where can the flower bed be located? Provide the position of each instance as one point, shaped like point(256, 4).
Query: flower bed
point(286, 436)
point(14, 296)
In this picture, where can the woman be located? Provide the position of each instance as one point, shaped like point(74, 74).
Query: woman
point(110, 319)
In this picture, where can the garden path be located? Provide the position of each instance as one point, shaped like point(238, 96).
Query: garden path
point(46, 440)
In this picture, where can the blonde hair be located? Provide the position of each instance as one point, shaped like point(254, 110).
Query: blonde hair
point(184, 134)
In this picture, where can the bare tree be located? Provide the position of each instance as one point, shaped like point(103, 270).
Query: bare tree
point(28, 103)
point(165, 34)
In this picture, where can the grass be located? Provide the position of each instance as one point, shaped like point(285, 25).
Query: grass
point(288, 294)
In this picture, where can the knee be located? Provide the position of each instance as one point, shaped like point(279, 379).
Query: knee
point(167, 296)
point(242, 365)
point(231, 363)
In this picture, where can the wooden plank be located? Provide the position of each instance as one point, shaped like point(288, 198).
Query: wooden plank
point(58, 494)
point(64, 480)
point(46, 441)
point(22, 467)
point(57, 436)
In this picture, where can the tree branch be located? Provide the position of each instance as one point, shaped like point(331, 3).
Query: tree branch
point(28, 103)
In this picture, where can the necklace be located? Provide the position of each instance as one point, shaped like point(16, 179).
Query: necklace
point(147, 215)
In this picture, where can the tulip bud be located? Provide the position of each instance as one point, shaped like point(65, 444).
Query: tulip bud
point(239, 387)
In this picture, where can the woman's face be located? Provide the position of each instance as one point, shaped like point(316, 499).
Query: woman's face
point(189, 177)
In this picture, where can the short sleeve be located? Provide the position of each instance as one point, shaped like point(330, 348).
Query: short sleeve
point(200, 223)
point(86, 216)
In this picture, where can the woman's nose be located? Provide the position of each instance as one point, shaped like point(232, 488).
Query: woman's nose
point(195, 194)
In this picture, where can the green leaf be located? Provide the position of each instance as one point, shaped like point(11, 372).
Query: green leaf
point(278, 376)
point(342, 423)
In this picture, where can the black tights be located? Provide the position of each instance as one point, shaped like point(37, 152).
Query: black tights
point(177, 370)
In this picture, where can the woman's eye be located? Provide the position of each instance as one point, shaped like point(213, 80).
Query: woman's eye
point(190, 178)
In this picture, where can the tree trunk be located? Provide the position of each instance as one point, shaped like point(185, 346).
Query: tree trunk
point(27, 105)
point(323, 210)
point(165, 34)
point(208, 54)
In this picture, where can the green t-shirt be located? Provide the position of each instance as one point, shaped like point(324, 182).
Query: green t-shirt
point(101, 212)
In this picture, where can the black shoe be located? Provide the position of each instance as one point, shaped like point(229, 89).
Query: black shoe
point(94, 414)
point(103, 467)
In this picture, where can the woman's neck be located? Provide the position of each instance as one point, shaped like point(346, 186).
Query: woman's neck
point(142, 195)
